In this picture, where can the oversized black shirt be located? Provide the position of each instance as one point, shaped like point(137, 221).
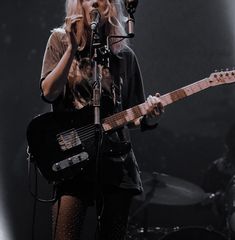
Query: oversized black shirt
point(122, 89)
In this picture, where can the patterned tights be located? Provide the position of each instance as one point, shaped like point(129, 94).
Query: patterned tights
point(69, 215)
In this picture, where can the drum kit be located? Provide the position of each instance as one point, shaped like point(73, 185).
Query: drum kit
point(174, 209)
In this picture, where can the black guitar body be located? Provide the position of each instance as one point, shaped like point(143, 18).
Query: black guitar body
point(63, 144)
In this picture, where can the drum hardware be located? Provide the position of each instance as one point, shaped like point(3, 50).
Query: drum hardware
point(230, 208)
point(153, 233)
point(194, 233)
point(163, 189)
point(144, 231)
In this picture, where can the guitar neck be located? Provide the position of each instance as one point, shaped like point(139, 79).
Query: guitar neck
point(184, 92)
point(124, 117)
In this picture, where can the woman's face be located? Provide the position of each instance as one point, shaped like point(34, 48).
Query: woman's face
point(101, 5)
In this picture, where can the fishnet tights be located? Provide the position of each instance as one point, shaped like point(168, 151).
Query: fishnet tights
point(68, 216)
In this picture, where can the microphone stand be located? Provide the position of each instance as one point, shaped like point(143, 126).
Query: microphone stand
point(96, 102)
point(131, 8)
point(97, 89)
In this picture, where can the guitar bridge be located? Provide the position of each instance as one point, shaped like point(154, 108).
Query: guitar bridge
point(68, 162)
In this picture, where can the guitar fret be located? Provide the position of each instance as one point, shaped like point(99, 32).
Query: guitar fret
point(203, 84)
point(116, 119)
point(166, 99)
point(120, 119)
point(119, 122)
point(130, 115)
point(136, 111)
point(196, 87)
point(143, 108)
point(188, 91)
point(177, 95)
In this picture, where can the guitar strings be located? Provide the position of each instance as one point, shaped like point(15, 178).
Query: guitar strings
point(70, 138)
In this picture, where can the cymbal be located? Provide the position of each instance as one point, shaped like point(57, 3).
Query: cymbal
point(160, 188)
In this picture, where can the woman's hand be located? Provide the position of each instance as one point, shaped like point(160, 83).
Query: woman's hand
point(154, 109)
point(73, 31)
point(155, 106)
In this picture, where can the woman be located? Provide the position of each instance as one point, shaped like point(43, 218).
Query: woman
point(66, 83)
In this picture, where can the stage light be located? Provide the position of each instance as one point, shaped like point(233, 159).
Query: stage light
point(5, 230)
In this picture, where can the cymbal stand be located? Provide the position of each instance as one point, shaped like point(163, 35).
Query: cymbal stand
point(144, 206)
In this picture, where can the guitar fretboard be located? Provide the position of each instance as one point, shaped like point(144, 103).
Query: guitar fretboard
point(130, 114)
point(185, 91)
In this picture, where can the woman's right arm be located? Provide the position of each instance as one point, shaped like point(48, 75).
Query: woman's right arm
point(53, 84)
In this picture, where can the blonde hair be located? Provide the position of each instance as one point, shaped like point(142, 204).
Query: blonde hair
point(115, 26)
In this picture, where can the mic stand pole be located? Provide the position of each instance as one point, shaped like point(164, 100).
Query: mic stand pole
point(96, 91)
point(98, 131)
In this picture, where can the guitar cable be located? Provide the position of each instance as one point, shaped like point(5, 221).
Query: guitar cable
point(35, 193)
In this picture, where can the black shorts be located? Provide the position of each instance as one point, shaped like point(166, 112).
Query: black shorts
point(78, 187)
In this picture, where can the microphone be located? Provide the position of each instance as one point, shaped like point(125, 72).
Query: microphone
point(95, 19)
point(131, 6)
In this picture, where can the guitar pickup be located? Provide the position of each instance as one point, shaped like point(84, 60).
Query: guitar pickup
point(69, 162)
point(68, 139)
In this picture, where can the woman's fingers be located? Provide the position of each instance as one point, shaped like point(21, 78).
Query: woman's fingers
point(71, 28)
point(70, 21)
point(155, 105)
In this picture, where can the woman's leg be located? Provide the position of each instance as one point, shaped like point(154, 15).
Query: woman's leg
point(68, 215)
point(114, 215)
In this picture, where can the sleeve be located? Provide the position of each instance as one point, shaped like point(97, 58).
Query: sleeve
point(135, 91)
point(133, 83)
point(52, 56)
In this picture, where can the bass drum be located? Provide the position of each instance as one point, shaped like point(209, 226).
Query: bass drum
point(193, 233)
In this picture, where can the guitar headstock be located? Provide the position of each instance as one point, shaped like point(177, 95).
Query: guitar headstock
point(223, 77)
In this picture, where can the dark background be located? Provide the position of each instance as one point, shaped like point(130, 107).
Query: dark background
point(177, 43)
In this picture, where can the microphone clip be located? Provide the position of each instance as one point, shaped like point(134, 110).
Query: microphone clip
point(95, 19)
point(131, 6)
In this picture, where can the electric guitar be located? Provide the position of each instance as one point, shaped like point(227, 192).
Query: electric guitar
point(63, 143)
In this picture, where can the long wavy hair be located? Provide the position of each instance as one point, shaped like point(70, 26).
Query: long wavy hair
point(115, 24)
